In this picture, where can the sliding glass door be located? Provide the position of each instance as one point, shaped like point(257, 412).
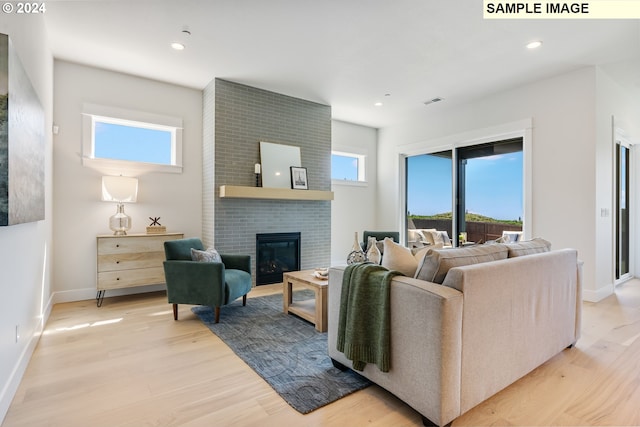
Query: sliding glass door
point(429, 194)
point(474, 192)
point(490, 184)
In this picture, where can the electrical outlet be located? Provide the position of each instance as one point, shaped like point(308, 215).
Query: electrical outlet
point(17, 333)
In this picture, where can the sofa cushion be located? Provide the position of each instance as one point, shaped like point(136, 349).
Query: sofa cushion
point(528, 247)
point(438, 238)
point(210, 255)
point(416, 238)
point(399, 258)
point(426, 233)
point(445, 237)
point(437, 262)
point(237, 284)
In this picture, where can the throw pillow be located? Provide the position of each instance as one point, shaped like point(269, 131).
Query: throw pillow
point(416, 239)
point(210, 255)
point(428, 237)
point(445, 238)
point(503, 239)
point(420, 253)
point(512, 236)
point(437, 262)
point(397, 257)
point(438, 239)
point(528, 247)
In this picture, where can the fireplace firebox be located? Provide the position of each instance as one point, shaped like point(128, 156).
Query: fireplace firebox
point(276, 253)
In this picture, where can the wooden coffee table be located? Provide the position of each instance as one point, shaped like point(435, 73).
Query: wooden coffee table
point(314, 310)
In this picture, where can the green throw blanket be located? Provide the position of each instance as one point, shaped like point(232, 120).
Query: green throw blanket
point(363, 327)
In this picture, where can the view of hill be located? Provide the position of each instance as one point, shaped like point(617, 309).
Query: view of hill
point(469, 217)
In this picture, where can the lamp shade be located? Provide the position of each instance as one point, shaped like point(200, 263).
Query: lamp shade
point(119, 189)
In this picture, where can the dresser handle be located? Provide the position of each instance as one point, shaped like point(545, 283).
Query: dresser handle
point(117, 262)
point(117, 246)
point(117, 278)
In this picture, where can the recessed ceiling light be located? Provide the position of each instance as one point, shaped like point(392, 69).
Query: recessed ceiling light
point(378, 104)
point(179, 42)
point(534, 44)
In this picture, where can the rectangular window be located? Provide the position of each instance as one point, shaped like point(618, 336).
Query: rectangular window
point(131, 140)
point(347, 167)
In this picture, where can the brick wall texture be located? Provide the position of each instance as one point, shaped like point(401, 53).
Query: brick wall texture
point(244, 116)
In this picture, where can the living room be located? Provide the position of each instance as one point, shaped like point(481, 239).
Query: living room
point(567, 116)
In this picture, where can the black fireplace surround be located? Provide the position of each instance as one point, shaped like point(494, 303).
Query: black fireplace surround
point(276, 253)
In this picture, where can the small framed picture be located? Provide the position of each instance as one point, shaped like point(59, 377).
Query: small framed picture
point(299, 178)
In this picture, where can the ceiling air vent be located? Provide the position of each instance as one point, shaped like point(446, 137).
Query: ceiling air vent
point(436, 99)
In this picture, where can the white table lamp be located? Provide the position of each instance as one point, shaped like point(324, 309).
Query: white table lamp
point(119, 189)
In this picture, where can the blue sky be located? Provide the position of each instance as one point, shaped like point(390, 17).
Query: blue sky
point(344, 167)
point(493, 185)
point(132, 143)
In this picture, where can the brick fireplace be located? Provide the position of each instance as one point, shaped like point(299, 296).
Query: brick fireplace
point(237, 118)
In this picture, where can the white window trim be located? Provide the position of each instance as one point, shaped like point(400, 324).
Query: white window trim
point(93, 112)
point(362, 168)
point(521, 128)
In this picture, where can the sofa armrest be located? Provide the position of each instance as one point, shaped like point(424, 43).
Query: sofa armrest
point(237, 262)
point(426, 323)
point(517, 314)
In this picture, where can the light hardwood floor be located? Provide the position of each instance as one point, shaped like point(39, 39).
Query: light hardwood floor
point(129, 364)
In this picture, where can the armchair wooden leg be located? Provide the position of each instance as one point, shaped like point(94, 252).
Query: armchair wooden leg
point(217, 314)
point(175, 311)
point(244, 300)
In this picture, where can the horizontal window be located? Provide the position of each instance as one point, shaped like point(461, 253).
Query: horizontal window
point(131, 140)
point(347, 167)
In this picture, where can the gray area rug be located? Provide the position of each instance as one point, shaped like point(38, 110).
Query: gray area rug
point(284, 350)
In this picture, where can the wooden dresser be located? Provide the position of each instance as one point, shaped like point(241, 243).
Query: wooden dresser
point(131, 260)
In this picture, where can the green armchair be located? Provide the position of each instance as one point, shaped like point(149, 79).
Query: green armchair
point(212, 284)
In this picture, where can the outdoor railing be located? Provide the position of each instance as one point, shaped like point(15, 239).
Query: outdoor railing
point(478, 232)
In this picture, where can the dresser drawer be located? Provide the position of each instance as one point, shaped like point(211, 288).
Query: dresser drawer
point(128, 278)
point(133, 244)
point(129, 261)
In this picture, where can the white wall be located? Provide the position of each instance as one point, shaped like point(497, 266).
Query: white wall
point(79, 215)
point(616, 107)
point(25, 249)
point(353, 206)
point(562, 110)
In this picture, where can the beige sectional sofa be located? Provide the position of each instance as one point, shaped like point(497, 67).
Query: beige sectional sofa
point(455, 344)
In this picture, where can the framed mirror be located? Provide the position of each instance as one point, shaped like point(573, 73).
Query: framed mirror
point(277, 160)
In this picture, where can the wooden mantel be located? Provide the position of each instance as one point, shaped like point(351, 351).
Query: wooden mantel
point(239, 192)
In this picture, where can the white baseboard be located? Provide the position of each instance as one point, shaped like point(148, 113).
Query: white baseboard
point(11, 387)
point(597, 295)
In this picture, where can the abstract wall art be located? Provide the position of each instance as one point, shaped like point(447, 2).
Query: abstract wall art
point(22, 142)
